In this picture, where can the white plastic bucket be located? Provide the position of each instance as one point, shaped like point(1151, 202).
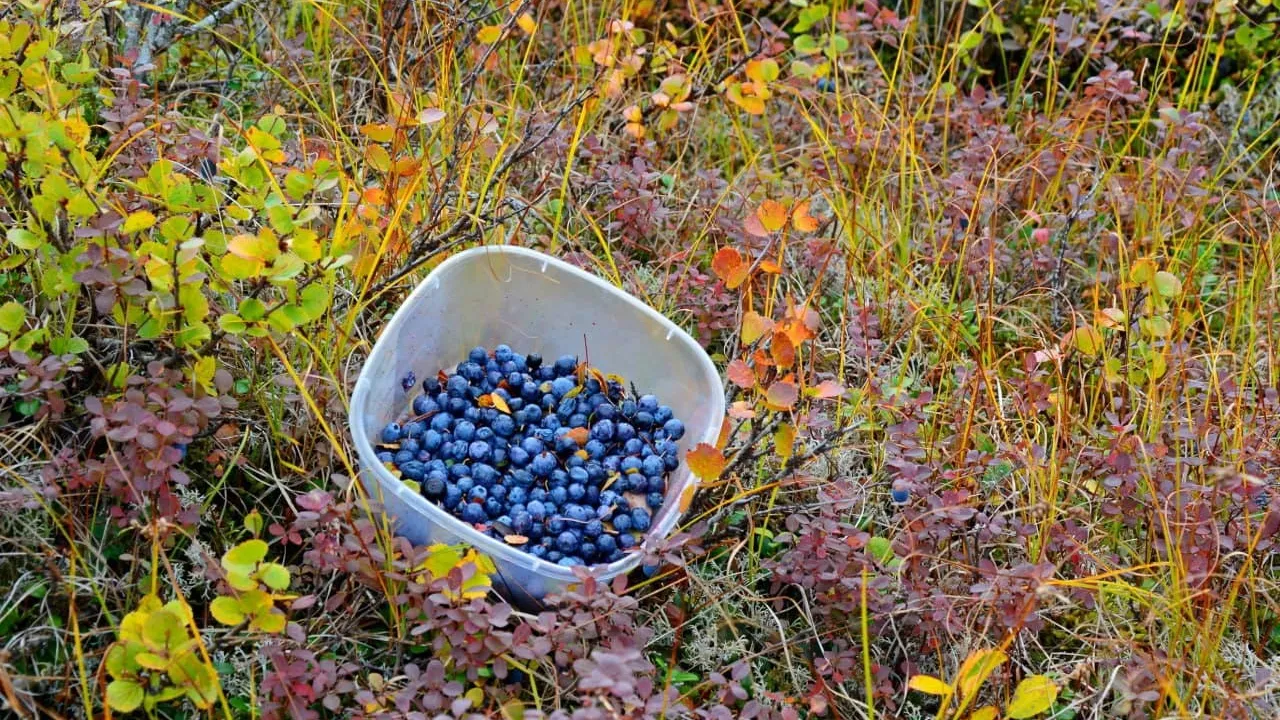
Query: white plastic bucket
point(491, 295)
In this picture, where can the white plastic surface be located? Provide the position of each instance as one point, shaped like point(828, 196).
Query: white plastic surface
point(534, 303)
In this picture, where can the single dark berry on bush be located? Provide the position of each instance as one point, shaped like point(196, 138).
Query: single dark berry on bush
point(606, 544)
point(640, 519)
point(654, 500)
point(673, 428)
point(474, 513)
point(900, 495)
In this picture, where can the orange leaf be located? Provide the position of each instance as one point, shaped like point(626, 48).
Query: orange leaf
point(579, 435)
point(801, 219)
point(782, 350)
point(705, 462)
point(741, 374)
point(754, 326)
point(378, 132)
point(741, 410)
point(723, 438)
point(729, 266)
point(501, 404)
point(773, 215)
point(485, 400)
point(686, 497)
point(784, 440)
point(828, 389)
point(782, 395)
point(769, 266)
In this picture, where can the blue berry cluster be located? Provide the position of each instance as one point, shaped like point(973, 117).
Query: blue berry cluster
point(556, 459)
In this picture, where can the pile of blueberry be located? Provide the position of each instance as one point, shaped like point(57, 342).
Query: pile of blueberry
point(558, 460)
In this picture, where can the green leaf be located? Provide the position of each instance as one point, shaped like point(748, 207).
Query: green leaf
point(1087, 340)
point(245, 556)
point(226, 610)
point(124, 695)
point(252, 309)
point(880, 548)
point(12, 316)
point(232, 324)
point(297, 184)
point(177, 229)
point(1167, 284)
point(313, 300)
point(23, 238)
point(970, 40)
point(805, 45)
point(274, 575)
point(1033, 696)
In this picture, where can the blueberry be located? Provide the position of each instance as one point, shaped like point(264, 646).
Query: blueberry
point(663, 415)
point(435, 485)
point(631, 465)
point(826, 85)
point(612, 464)
point(477, 494)
point(484, 474)
point(521, 478)
point(558, 495)
point(515, 404)
point(538, 494)
point(521, 522)
point(533, 361)
point(423, 405)
point(628, 409)
point(577, 513)
point(577, 492)
point(492, 379)
point(566, 445)
point(566, 364)
point(431, 440)
point(503, 426)
point(624, 432)
point(538, 551)
point(577, 420)
point(402, 457)
point(452, 495)
point(578, 475)
point(900, 495)
point(518, 456)
point(517, 495)
point(530, 392)
point(652, 465)
point(478, 354)
point(555, 556)
point(480, 451)
point(391, 433)
point(459, 406)
point(654, 500)
point(593, 529)
point(559, 478)
point(570, 561)
point(622, 521)
point(643, 420)
point(494, 508)
point(634, 446)
point(532, 445)
point(546, 373)
point(456, 386)
point(605, 412)
point(543, 464)
point(441, 421)
point(413, 470)
point(609, 498)
point(457, 471)
point(640, 519)
point(503, 353)
point(606, 545)
point(437, 465)
point(626, 540)
point(567, 542)
point(556, 525)
point(431, 386)
point(474, 513)
point(587, 550)
point(536, 510)
point(484, 433)
point(561, 387)
point(603, 430)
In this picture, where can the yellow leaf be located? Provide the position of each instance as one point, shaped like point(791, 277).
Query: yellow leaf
point(226, 611)
point(772, 214)
point(929, 685)
point(762, 71)
point(985, 713)
point(754, 326)
point(1086, 339)
point(705, 462)
point(527, 23)
point(269, 622)
point(137, 222)
point(686, 498)
point(1033, 696)
point(977, 668)
point(489, 34)
point(729, 266)
point(501, 404)
point(784, 440)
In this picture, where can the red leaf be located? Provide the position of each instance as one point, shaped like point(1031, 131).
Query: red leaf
point(782, 395)
point(741, 374)
point(782, 350)
point(741, 410)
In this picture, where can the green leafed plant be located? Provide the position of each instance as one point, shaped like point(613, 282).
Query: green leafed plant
point(254, 586)
point(156, 659)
